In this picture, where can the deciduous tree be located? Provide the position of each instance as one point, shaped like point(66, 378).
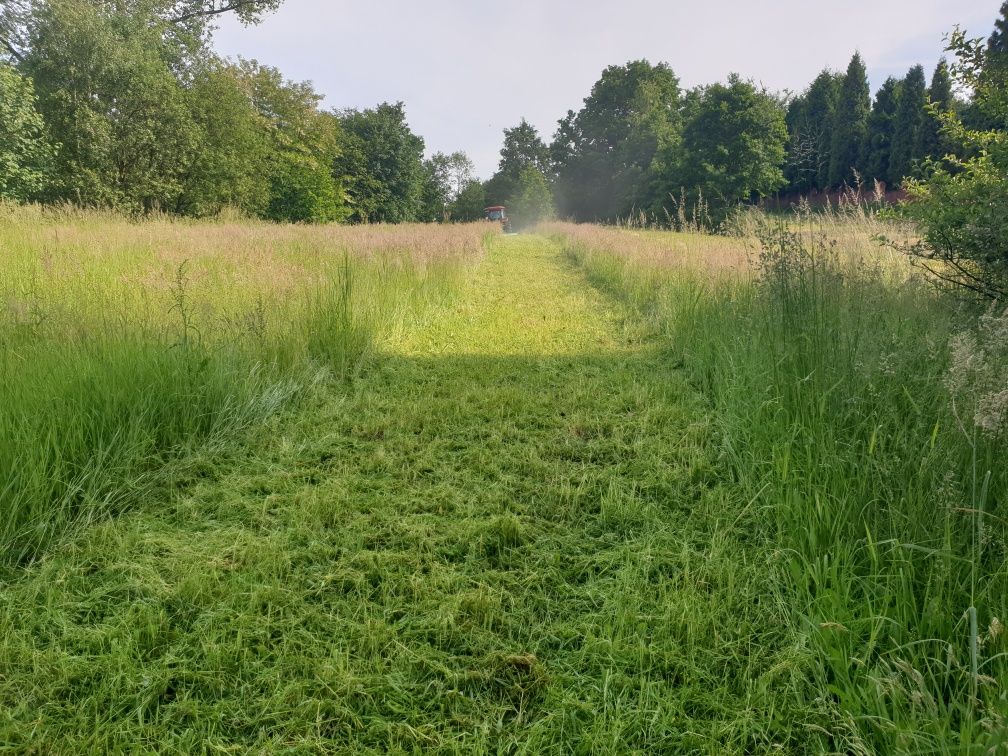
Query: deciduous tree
point(523, 147)
point(382, 160)
point(231, 165)
point(25, 153)
point(960, 208)
point(531, 200)
point(733, 146)
point(604, 155)
point(111, 100)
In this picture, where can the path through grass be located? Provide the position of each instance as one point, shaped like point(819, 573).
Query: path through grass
point(509, 534)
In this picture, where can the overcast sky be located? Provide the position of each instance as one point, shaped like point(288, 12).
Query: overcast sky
point(466, 70)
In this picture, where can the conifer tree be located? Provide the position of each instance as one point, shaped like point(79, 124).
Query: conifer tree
point(850, 124)
point(810, 133)
point(932, 143)
point(910, 117)
point(999, 39)
point(880, 131)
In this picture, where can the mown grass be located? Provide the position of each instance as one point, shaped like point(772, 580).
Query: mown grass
point(827, 372)
point(122, 345)
point(509, 535)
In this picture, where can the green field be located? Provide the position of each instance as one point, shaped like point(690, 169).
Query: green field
point(291, 490)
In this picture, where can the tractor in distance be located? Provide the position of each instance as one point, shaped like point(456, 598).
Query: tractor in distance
point(498, 213)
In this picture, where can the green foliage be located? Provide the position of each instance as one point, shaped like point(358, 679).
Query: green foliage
point(733, 146)
point(908, 126)
point(850, 126)
point(302, 145)
point(148, 119)
point(290, 112)
point(604, 155)
point(810, 120)
point(470, 203)
point(436, 189)
point(304, 191)
point(445, 176)
point(382, 162)
point(25, 153)
point(881, 124)
point(523, 148)
point(233, 147)
point(531, 200)
point(960, 207)
point(14, 15)
point(998, 42)
point(111, 100)
point(940, 101)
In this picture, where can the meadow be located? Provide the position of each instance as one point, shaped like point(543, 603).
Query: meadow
point(432, 489)
point(124, 343)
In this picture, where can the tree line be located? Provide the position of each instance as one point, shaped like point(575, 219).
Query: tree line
point(642, 145)
point(125, 105)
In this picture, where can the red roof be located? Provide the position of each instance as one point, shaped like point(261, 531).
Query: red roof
point(493, 207)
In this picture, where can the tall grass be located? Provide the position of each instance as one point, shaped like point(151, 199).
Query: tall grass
point(827, 366)
point(121, 344)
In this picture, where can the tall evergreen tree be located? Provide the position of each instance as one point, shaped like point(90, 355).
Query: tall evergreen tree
point(880, 131)
point(998, 42)
point(908, 124)
point(810, 133)
point(932, 143)
point(986, 75)
point(850, 124)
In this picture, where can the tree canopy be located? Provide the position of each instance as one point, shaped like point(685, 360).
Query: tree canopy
point(733, 145)
point(523, 148)
point(125, 105)
point(603, 155)
point(25, 152)
point(810, 119)
point(908, 125)
point(382, 162)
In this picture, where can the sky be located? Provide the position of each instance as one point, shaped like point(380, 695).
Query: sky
point(467, 70)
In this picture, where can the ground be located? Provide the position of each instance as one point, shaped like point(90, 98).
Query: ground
point(505, 535)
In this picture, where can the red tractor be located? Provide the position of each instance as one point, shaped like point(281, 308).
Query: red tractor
point(498, 213)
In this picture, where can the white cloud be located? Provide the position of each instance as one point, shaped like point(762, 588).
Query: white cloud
point(467, 70)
